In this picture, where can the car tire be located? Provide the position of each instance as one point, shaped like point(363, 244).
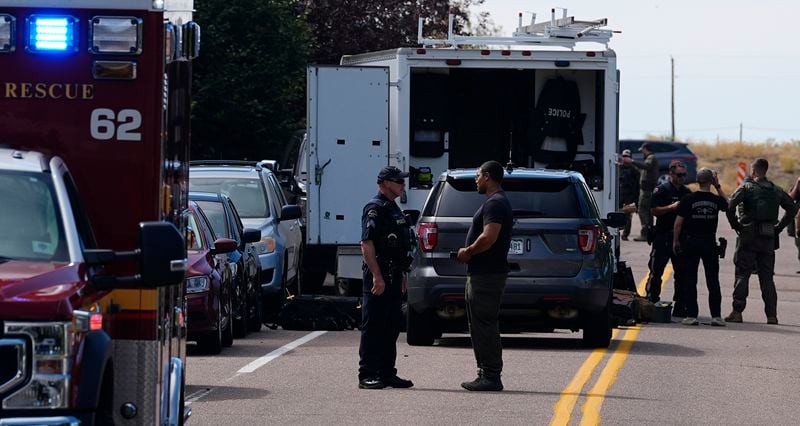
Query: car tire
point(240, 323)
point(227, 332)
point(597, 330)
point(291, 287)
point(211, 342)
point(313, 272)
point(255, 314)
point(419, 328)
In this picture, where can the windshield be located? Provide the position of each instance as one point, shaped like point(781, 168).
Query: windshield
point(247, 194)
point(215, 213)
point(30, 222)
point(529, 198)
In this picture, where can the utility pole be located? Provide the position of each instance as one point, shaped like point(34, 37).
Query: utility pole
point(672, 101)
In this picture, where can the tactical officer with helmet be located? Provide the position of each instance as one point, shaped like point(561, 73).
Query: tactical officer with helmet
point(757, 226)
point(386, 244)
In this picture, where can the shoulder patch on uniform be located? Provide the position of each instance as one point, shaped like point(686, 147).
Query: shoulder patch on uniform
point(657, 190)
point(372, 214)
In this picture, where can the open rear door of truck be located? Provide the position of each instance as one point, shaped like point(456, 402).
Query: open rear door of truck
point(348, 143)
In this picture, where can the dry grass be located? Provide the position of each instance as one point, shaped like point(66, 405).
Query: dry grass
point(723, 157)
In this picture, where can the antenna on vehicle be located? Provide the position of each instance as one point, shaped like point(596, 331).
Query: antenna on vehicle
point(510, 164)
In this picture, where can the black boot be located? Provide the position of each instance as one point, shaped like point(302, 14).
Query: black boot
point(485, 382)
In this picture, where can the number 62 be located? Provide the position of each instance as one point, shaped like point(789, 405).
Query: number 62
point(105, 124)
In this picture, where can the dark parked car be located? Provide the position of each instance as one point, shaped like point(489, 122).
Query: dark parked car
point(226, 223)
point(209, 284)
point(561, 258)
point(259, 197)
point(665, 152)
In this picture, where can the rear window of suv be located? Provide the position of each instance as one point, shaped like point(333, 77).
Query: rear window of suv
point(248, 195)
point(529, 198)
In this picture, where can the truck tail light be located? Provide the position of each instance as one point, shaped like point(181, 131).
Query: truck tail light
point(428, 236)
point(96, 322)
point(587, 238)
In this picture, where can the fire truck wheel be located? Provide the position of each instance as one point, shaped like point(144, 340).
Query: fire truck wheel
point(105, 406)
point(227, 332)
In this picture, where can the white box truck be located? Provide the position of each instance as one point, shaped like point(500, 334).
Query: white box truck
point(532, 98)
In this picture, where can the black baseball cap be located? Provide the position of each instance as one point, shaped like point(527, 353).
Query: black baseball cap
point(647, 145)
point(391, 173)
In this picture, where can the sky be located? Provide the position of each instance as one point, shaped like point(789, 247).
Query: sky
point(737, 62)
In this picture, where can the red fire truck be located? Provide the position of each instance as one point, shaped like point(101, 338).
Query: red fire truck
point(94, 143)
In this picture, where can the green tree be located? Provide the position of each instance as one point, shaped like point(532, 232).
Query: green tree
point(249, 80)
point(346, 27)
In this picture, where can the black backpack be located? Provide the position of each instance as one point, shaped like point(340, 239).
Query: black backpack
point(764, 207)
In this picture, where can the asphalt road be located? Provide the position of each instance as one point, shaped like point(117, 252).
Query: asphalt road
point(745, 373)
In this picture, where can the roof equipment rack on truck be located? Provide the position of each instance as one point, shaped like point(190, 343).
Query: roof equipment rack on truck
point(93, 185)
point(565, 31)
point(453, 103)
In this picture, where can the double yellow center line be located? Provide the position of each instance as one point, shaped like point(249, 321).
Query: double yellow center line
point(562, 411)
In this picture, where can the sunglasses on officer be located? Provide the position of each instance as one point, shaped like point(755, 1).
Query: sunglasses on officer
point(397, 181)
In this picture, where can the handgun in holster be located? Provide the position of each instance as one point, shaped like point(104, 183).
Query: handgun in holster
point(723, 244)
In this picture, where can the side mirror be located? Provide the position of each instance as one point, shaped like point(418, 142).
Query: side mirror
point(224, 245)
point(251, 235)
point(163, 254)
point(412, 216)
point(615, 220)
point(161, 258)
point(291, 212)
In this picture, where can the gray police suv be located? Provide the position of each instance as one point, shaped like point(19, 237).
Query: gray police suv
point(561, 260)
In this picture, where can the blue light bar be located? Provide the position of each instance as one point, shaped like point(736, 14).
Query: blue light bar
point(52, 33)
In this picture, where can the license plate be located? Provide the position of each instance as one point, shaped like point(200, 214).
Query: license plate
point(517, 247)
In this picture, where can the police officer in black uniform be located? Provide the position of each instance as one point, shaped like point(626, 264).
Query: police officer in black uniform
point(386, 244)
point(666, 198)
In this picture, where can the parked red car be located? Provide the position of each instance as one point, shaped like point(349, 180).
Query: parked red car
point(209, 284)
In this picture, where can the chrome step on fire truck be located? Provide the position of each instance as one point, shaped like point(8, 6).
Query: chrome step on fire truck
point(544, 95)
point(95, 99)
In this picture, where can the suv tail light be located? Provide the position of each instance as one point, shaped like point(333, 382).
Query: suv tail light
point(587, 238)
point(428, 236)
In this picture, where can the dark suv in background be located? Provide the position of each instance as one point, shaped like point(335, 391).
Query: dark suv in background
point(665, 152)
point(561, 257)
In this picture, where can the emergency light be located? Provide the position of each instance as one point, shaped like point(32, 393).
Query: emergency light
point(47, 33)
point(116, 35)
point(7, 33)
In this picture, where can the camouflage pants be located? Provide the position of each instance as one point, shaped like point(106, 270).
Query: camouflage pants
point(645, 202)
point(755, 253)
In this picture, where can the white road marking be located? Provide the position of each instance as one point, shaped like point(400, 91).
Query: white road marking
point(260, 362)
point(197, 395)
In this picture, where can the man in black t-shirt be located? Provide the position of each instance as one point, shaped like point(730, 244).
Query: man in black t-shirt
point(695, 234)
point(486, 255)
point(664, 207)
